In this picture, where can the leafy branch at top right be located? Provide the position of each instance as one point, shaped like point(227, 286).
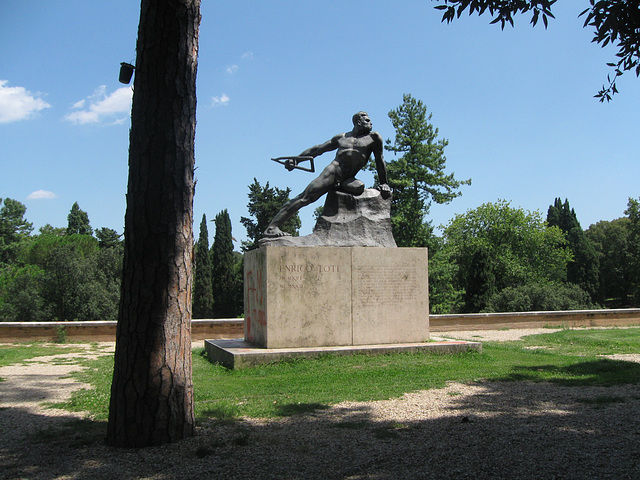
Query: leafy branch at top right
point(614, 22)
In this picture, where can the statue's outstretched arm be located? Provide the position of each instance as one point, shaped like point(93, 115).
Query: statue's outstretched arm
point(322, 148)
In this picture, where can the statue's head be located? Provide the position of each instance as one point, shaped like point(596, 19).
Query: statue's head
point(361, 119)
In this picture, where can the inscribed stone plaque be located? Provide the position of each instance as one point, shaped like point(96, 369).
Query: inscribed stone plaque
point(390, 295)
point(307, 298)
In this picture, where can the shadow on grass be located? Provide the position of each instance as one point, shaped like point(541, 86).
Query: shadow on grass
point(73, 432)
point(231, 413)
point(290, 409)
point(220, 413)
point(603, 372)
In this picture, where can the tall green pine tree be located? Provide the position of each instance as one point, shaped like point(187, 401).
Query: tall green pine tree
point(418, 176)
point(202, 288)
point(223, 269)
point(14, 228)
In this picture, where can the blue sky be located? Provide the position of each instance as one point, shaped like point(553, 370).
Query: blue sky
point(275, 78)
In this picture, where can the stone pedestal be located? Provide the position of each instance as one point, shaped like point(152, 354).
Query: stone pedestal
point(333, 296)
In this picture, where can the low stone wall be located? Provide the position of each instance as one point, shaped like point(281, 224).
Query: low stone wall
point(234, 328)
point(106, 331)
point(571, 318)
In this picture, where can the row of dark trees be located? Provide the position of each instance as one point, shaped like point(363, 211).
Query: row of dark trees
point(492, 258)
point(74, 273)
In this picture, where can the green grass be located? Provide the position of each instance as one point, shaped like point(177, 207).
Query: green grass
point(589, 342)
point(10, 354)
point(95, 401)
point(271, 390)
point(569, 357)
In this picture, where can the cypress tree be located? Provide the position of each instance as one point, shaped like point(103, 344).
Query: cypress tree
point(223, 269)
point(480, 283)
point(202, 290)
point(583, 270)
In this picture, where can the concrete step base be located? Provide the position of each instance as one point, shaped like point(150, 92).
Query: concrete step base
point(236, 353)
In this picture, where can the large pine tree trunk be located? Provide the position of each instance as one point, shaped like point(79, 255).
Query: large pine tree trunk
point(152, 390)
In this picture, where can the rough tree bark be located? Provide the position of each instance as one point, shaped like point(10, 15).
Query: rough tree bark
point(152, 389)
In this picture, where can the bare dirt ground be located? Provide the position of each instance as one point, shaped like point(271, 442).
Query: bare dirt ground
point(510, 430)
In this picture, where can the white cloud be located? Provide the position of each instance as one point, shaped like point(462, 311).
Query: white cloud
point(41, 194)
point(220, 101)
point(17, 103)
point(100, 106)
point(231, 69)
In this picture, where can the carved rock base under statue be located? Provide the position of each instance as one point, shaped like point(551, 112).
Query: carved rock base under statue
point(347, 221)
point(329, 296)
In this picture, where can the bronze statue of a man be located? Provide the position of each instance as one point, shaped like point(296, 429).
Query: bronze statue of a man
point(354, 151)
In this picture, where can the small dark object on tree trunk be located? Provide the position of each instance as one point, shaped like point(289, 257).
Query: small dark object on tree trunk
point(126, 72)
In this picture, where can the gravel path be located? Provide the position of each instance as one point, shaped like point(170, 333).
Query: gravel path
point(497, 430)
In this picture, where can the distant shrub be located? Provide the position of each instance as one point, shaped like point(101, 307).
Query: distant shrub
point(540, 297)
